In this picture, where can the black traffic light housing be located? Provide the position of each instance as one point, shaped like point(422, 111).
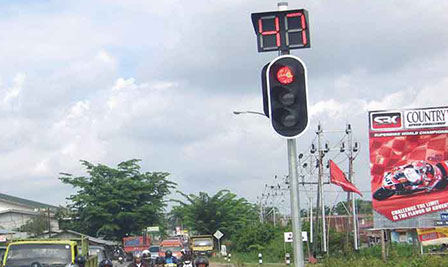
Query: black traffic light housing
point(285, 99)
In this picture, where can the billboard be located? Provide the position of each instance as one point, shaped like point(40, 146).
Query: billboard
point(433, 236)
point(409, 163)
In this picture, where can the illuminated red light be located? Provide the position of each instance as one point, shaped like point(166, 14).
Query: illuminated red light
point(285, 75)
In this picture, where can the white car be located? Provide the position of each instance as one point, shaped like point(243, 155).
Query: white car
point(154, 250)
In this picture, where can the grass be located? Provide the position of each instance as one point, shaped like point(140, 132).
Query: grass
point(399, 256)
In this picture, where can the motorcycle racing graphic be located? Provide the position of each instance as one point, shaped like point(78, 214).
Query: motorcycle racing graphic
point(417, 176)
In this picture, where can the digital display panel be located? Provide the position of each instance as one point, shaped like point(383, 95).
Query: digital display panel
point(281, 30)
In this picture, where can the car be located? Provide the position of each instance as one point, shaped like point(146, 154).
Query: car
point(99, 251)
point(154, 250)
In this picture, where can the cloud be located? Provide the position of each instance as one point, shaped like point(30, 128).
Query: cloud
point(107, 81)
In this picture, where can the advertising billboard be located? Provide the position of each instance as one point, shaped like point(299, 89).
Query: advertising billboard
point(409, 163)
point(433, 236)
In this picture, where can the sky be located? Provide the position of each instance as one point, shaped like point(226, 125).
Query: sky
point(110, 80)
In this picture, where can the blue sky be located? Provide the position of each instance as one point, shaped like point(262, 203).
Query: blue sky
point(107, 81)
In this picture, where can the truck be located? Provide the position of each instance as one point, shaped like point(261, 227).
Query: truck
point(202, 244)
point(48, 252)
point(173, 245)
point(132, 244)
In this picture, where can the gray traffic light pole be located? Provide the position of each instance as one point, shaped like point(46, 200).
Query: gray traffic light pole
point(295, 203)
point(294, 187)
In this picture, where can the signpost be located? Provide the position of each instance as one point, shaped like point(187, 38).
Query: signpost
point(218, 235)
point(152, 229)
point(289, 237)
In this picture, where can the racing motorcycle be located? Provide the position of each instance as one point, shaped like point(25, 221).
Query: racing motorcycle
point(413, 177)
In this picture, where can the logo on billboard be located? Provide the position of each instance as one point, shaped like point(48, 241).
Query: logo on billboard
point(389, 120)
point(426, 118)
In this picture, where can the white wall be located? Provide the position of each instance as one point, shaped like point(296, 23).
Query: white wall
point(6, 206)
point(12, 221)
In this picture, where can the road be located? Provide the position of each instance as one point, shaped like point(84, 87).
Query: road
point(212, 264)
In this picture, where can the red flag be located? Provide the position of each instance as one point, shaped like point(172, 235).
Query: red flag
point(337, 177)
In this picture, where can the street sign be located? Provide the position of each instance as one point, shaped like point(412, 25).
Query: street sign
point(218, 234)
point(444, 216)
point(440, 223)
point(152, 229)
point(289, 239)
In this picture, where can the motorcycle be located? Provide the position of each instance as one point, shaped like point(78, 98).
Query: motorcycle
point(411, 178)
point(120, 259)
point(187, 263)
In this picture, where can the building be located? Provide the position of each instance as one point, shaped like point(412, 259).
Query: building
point(15, 212)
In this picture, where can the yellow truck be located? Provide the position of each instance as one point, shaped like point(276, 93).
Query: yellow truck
point(201, 245)
point(48, 252)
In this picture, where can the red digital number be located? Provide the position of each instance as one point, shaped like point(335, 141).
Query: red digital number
point(266, 33)
point(302, 25)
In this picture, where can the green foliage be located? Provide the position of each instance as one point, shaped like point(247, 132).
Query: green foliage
point(36, 225)
point(255, 236)
point(363, 206)
point(205, 214)
point(115, 202)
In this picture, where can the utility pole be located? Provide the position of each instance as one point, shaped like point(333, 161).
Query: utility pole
point(320, 181)
point(274, 217)
point(49, 223)
point(351, 179)
point(316, 232)
point(261, 208)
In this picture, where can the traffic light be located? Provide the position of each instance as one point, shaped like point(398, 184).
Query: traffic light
point(285, 95)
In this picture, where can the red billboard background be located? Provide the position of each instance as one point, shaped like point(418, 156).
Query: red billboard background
point(397, 151)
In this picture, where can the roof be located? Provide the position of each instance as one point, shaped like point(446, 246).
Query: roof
point(5, 232)
point(63, 242)
point(19, 212)
point(26, 202)
point(91, 238)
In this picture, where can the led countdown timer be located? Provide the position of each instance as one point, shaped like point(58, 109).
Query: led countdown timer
point(281, 30)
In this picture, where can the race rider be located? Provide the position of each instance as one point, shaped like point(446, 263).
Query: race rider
point(201, 261)
point(106, 263)
point(169, 258)
point(159, 262)
point(146, 257)
point(420, 174)
point(186, 255)
point(138, 261)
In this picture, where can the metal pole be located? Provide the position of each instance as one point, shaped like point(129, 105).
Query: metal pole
point(49, 223)
point(321, 170)
point(295, 204)
point(294, 186)
point(351, 179)
point(317, 228)
point(311, 219)
point(383, 246)
point(274, 217)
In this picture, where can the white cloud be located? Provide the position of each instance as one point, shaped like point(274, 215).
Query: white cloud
point(159, 81)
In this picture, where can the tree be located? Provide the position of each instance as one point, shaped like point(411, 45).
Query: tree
point(36, 225)
point(363, 207)
point(205, 214)
point(255, 236)
point(115, 202)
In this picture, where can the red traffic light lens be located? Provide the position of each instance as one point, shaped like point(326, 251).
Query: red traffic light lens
point(285, 75)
